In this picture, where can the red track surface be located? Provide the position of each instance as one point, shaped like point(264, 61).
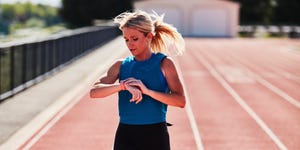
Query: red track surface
point(243, 94)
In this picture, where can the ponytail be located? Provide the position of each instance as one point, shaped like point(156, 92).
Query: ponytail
point(166, 38)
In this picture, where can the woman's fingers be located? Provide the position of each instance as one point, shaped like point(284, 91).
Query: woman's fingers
point(133, 81)
point(138, 84)
point(135, 87)
point(139, 100)
point(136, 98)
point(136, 94)
point(129, 80)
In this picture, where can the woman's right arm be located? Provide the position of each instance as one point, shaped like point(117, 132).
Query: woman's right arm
point(107, 84)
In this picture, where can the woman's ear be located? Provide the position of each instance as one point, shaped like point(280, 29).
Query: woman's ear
point(149, 36)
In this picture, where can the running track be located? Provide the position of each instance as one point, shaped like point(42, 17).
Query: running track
point(242, 94)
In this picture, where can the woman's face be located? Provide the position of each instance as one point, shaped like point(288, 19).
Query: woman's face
point(136, 41)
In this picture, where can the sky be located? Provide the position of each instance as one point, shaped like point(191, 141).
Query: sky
point(55, 3)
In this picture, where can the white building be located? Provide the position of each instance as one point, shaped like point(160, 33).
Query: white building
point(201, 18)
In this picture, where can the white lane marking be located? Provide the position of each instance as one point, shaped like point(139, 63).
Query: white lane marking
point(269, 85)
point(191, 116)
point(234, 74)
point(277, 91)
point(52, 122)
point(193, 123)
point(243, 104)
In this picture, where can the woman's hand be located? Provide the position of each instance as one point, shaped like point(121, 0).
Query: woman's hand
point(138, 84)
point(135, 92)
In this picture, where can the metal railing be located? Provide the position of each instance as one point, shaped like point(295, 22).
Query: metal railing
point(25, 64)
point(271, 31)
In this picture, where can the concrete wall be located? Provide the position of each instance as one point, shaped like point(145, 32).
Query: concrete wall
point(204, 18)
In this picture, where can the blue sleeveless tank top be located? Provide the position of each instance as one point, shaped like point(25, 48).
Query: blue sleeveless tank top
point(149, 110)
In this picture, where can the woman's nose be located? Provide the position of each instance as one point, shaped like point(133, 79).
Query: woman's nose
point(129, 44)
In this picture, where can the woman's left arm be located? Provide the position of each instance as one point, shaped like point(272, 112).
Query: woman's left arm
point(176, 97)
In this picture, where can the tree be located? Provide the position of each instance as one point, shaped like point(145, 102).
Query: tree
point(287, 12)
point(256, 11)
point(82, 13)
point(269, 12)
point(22, 15)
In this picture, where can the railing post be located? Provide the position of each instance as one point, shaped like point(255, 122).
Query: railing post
point(34, 60)
point(24, 62)
point(12, 68)
point(0, 74)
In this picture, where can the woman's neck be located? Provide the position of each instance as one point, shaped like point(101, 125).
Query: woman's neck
point(143, 56)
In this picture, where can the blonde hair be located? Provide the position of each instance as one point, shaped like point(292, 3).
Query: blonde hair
point(165, 36)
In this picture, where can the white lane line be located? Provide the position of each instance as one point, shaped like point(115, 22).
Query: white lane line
point(238, 99)
point(50, 124)
point(193, 124)
point(191, 116)
point(277, 91)
point(267, 84)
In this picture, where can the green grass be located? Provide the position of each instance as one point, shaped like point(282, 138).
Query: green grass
point(32, 33)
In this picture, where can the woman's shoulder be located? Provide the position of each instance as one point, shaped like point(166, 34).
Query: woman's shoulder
point(167, 61)
point(168, 66)
point(118, 62)
point(116, 66)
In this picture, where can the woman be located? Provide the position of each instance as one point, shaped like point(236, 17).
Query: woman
point(148, 82)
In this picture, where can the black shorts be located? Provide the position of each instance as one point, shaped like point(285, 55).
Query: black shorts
point(142, 137)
